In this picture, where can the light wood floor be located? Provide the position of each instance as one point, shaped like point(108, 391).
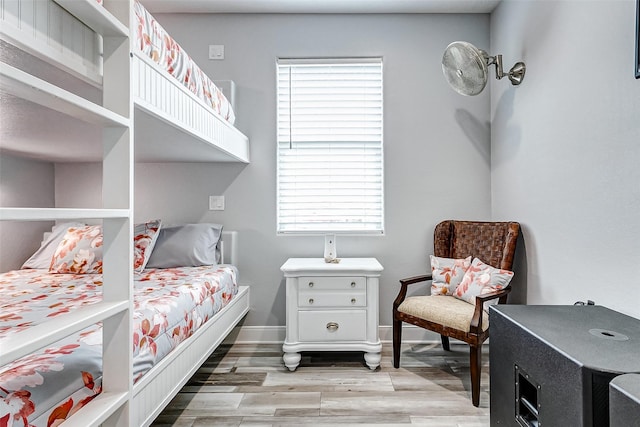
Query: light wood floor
point(248, 385)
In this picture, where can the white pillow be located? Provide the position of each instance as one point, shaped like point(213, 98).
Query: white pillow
point(42, 257)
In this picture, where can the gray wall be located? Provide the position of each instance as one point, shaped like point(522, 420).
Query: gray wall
point(566, 149)
point(436, 146)
point(23, 183)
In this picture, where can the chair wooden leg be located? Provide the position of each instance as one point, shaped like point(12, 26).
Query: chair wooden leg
point(397, 337)
point(445, 342)
point(476, 366)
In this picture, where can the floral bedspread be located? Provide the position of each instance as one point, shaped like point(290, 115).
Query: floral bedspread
point(158, 45)
point(45, 388)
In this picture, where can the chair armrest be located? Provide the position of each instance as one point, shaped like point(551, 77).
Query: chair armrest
point(415, 279)
point(404, 283)
point(476, 320)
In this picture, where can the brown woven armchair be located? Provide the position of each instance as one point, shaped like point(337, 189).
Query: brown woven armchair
point(492, 242)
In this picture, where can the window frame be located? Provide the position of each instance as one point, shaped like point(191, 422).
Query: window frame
point(380, 231)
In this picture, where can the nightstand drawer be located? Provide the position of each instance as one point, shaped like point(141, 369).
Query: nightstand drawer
point(332, 325)
point(316, 298)
point(331, 283)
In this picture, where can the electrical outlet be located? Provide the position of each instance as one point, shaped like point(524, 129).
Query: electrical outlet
point(216, 203)
point(216, 51)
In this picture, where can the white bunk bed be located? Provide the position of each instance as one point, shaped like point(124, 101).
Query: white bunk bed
point(111, 93)
point(171, 123)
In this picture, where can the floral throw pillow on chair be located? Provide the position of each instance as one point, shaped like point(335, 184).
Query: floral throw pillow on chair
point(481, 279)
point(447, 273)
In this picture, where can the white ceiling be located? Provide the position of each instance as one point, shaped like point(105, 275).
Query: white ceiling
point(320, 6)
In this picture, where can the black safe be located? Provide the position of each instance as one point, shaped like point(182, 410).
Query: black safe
point(551, 365)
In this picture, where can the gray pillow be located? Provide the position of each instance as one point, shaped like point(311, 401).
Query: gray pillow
point(42, 257)
point(188, 245)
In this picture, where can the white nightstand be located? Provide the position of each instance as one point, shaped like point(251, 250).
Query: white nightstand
point(332, 307)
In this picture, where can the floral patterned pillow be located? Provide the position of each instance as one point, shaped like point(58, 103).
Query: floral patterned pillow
point(447, 274)
point(79, 252)
point(482, 279)
point(42, 257)
point(145, 236)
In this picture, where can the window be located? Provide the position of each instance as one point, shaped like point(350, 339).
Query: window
point(330, 170)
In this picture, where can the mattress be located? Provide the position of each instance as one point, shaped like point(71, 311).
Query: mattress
point(158, 45)
point(44, 388)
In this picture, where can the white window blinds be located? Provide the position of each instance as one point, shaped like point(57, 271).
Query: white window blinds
point(330, 170)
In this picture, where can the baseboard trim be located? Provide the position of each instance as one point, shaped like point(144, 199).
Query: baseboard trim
point(277, 334)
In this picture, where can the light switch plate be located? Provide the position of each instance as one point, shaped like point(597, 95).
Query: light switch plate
point(216, 51)
point(216, 203)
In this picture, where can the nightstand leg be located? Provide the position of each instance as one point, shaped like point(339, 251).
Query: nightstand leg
point(292, 360)
point(373, 360)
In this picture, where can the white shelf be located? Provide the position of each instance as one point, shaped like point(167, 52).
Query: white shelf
point(23, 85)
point(95, 17)
point(38, 214)
point(36, 337)
point(98, 410)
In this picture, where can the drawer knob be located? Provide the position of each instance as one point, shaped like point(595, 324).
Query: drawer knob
point(353, 284)
point(310, 300)
point(332, 326)
point(353, 300)
point(311, 284)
